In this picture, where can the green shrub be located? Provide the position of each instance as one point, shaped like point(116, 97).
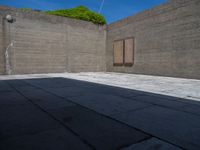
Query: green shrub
point(26, 9)
point(29, 9)
point(81, 13)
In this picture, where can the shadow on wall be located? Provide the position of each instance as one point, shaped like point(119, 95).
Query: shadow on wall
point(93, 113)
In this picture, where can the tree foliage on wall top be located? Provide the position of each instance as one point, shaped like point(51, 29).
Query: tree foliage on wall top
point(80, 12)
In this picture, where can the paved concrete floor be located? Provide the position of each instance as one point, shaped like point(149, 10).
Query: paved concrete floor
point(62, 113)
point(177, 87)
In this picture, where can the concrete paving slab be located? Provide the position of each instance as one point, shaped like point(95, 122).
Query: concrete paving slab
point(191, 108)
point(101, 132)
point(5, 87)
point(16, 83)
point(60, 139)
point(56, 83)
point(174, 120)
point(152, 144)
point(177, 127)
point(183, 105)
point(68, 92)
point(127, 93)
point(9, 99)
point(177, 87)
point(161, 100)
point(46, 100)
point(108, 104)
point(112, 90)
point(24, 119)
point(47, 82)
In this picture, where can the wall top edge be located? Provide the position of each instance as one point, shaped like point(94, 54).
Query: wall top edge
point(47, 17)
point(162, 8)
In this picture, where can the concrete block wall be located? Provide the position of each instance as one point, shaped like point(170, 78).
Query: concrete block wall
point(39, 46)
point(47, 44)
point(167, 40)
point(2, 65)
point(86, 48)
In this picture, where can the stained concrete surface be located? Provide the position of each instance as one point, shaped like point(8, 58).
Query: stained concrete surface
point(44, 112)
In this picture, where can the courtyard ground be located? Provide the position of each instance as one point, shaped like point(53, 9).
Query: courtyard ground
point(99, 111)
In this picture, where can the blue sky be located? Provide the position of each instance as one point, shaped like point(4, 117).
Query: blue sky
point(113, 10)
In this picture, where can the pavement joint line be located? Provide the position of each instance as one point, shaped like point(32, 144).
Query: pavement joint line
point(175, 109)
point(71, 100)
point(109, 117)
point(131, 96)
point(140, 141)
point(127, 124)
point(132, 110)
point(144, 141)
point(53, 117)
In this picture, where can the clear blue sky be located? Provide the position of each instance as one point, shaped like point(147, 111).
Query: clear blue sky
point(113, 9)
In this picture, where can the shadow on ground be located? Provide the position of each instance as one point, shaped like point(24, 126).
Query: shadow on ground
point(60, 113)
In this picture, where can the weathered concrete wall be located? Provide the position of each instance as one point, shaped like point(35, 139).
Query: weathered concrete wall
point(167, 40)
point(86, 47)
point(46, 44)
point(1, 48)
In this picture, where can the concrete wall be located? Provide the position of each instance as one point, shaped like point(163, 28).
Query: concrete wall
point(167, 40)
point(47, 44)
point(1, 48)
point(86, 47)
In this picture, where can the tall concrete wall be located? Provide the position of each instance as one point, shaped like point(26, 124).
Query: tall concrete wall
point(46, 44)
point(167, 40)
point(1, 48)
point(86, 47)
